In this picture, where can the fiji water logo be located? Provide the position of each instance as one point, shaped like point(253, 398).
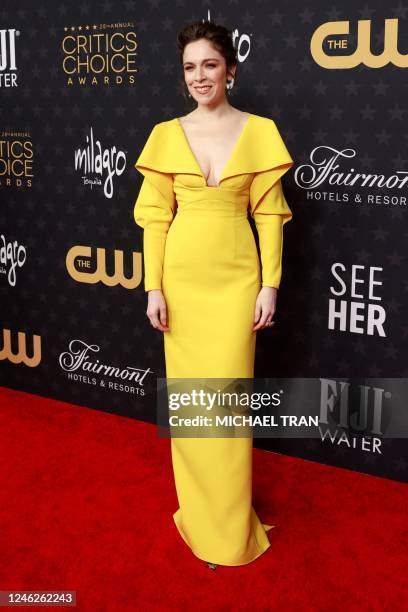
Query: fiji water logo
point(8, 76)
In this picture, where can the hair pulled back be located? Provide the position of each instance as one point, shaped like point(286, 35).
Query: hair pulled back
point(219, 36)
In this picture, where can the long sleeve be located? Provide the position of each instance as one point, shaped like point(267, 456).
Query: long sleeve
point(270, 212)
point(154, 211)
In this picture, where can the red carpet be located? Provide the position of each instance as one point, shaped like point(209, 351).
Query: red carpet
point(87, 501)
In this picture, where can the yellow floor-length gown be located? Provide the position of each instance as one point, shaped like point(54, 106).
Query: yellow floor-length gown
point(199, 249)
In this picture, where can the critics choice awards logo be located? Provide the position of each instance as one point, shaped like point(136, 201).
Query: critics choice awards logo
point(16, 159)
point(103, 54)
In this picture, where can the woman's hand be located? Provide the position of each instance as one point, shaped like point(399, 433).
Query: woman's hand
point(157, 310)
point(265, 307)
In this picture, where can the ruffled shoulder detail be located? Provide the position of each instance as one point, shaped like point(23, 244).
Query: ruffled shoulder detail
point(164, 150)
point(153, 161)
point(270, 161)
point(259, 148)
point(262, 148)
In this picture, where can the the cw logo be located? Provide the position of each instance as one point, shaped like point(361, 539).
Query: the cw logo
point(21, 355)
point(362, 54)
point(81, 255)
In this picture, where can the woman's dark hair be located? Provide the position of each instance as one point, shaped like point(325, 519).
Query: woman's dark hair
point(219, 36)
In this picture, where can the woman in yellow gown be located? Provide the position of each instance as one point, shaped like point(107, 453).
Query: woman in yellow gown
point(207, 290)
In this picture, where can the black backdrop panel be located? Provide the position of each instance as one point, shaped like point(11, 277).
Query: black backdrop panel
point(81, 87)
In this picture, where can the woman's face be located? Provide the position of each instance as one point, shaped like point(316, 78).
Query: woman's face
point(205, 72)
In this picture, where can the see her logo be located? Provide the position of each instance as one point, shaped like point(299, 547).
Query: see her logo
point(354, 306)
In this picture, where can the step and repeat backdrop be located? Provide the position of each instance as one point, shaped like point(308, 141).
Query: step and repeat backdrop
point(81, 87)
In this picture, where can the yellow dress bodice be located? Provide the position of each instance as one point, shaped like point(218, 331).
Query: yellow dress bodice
point(250, 182)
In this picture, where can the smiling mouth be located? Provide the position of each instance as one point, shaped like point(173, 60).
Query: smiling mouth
point(203, 89)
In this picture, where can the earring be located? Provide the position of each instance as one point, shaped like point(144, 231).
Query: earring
point(230, 83)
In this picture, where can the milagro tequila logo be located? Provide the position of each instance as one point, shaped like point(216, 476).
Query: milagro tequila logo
point(241, 42)
point(79, 363)
point(12, 256)
point(96, 163)
point(8, 76)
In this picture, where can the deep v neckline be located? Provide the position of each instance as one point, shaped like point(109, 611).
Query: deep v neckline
point(234, 150)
